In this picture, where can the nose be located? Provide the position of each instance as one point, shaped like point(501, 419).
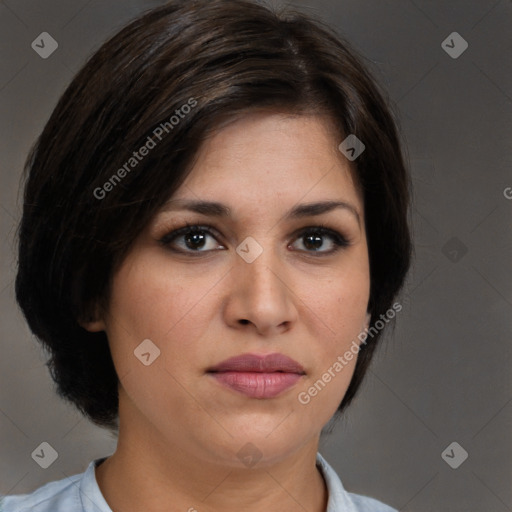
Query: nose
point(260, 296)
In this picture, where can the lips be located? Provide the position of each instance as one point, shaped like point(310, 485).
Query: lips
point(259, 364)
point(258, 376)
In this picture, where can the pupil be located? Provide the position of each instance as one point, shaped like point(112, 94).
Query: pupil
point(194, 240)
point(313, 241)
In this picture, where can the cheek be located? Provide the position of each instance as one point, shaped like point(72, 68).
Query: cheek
point(152, 299)
point(339, 305)
point(149, 301)
point(340, 300)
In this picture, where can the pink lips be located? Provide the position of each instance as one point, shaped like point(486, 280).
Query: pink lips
point(258, 376)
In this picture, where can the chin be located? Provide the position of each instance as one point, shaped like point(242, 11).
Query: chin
point(255, 445)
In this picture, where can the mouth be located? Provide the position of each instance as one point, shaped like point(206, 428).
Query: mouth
point(258, 376)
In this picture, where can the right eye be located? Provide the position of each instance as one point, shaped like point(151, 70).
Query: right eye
point(190, 239)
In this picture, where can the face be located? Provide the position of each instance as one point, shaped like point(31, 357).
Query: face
point(258, 280)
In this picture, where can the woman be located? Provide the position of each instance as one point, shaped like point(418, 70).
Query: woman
point(214, 232)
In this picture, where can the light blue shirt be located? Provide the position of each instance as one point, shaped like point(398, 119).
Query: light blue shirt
point(80, 493)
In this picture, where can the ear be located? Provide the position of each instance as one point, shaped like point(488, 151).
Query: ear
point(92, 322)
point(93, 325)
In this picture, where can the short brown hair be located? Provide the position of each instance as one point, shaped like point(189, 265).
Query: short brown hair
point(230, 57)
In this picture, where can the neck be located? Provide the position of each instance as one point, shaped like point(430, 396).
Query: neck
point(143, 474)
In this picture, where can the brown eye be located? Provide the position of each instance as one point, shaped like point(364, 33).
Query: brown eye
point(314, 240)
point(191, 239)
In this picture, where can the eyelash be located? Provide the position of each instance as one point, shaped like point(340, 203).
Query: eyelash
point(338, 239)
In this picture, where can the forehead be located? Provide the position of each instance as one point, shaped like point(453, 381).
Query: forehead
point(272, 158)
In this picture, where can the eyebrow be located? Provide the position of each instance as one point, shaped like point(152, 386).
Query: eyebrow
point(216, 209)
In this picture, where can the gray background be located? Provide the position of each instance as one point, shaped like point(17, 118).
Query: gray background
point(444, 375)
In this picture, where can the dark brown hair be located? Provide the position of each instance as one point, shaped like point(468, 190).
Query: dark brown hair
point(226, 58)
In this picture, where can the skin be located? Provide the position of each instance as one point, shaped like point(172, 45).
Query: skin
point(180, 430)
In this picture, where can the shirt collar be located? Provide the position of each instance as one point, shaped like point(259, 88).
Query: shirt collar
point(90, 494)
point(338, 498)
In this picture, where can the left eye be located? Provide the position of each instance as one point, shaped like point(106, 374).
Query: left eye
point(313, 239)
point(194, 239)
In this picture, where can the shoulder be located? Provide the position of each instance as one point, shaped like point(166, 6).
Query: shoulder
point(58, 496)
